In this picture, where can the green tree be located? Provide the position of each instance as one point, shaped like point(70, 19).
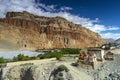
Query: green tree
point(2, 60)
point(70, 51)
point(55, 54)
point(15, 59)
point(21, 57)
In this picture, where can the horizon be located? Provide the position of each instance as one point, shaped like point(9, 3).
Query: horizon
point(98, 15)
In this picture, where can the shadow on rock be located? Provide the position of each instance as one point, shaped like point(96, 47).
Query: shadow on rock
point(1, 72)
point(75, 64)
point(60, 73)
point(27, 75)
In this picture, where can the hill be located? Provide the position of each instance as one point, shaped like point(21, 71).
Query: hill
point(110, 40)
point(24, 30)
point(117, 41)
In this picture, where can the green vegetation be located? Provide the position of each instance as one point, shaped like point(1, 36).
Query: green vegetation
point(22, 57)
point(58, 53)
point(70, 50)
point(55, 54)
point(2, 60)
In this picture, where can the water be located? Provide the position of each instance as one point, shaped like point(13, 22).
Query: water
point(11, 54)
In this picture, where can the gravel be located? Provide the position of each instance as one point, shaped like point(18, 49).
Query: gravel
point(108, 70)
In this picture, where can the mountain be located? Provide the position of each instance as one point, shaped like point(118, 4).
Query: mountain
point(117, 41)
point(23, 30)
point(109, 40)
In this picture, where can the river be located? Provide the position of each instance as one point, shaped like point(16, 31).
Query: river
point(11, 54)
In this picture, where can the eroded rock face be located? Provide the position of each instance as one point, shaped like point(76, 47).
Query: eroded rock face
point(29, 31)
point(41, 71)
point(27, 74)
point(1, 73)
point(61, 73)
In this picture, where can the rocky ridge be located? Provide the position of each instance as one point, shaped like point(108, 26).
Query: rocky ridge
point(23, 30)
point(117, 41)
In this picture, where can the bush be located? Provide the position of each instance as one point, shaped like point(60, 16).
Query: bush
point(70, 51)
point(21, 57)
point(30, 58)
point(15, 59)
point(56, 55)
point(2, 60)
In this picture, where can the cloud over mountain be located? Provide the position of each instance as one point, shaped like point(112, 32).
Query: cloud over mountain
point(41, 9)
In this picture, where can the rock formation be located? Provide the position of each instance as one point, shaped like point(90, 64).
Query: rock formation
point(39, 71)
point(28, 71)
point(61, 73)
point(23, 30)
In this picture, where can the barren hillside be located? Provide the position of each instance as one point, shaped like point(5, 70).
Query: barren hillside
point(22, 30)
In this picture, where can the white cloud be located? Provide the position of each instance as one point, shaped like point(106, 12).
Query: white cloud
point(100, 28)
point(111, 35)
point(114, 28)
point(64, 8)
point(51, 11)
point(47, 7)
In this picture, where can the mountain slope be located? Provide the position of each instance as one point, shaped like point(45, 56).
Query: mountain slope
point(109, 40)
point(117, 41)
point(28, 31)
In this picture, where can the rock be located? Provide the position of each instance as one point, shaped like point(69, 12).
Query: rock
point(43, 73)
point(27, 75)
point(61, 73)
point(28, 31)
point(31, 72)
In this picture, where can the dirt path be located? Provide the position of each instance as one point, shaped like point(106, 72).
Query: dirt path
point(30, 61)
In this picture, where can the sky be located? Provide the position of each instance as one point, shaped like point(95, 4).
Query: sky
point(101, 16)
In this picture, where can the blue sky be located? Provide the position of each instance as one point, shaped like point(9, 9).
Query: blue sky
point(106, 10)
point(101, 16)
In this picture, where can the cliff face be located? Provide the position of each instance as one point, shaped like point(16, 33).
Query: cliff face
point(28, 31)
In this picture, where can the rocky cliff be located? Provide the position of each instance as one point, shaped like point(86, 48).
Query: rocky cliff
point(23, 30)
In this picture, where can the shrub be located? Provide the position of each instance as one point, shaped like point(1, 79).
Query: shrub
point(56, 55)
point(15, 59)
point(70, 51)
point(41, 56)
point(30, 58)
point(2, 60)
point(21, 57)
